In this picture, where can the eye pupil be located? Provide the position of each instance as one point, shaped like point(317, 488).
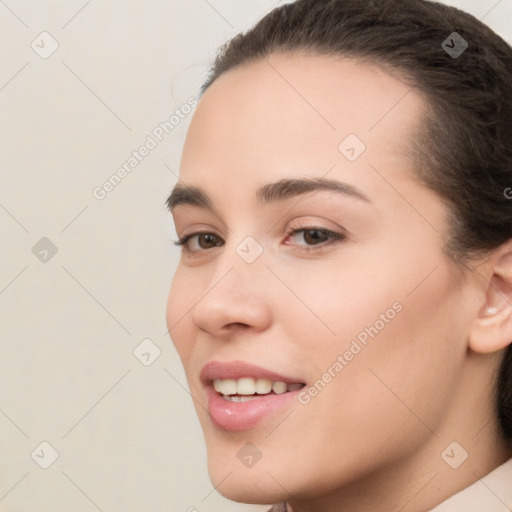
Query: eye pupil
point(207, 240)
point(315, 236)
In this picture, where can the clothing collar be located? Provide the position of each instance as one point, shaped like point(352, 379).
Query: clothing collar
point(492, 493)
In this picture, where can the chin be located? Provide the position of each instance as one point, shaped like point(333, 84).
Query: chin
point(259, 481)
point(245, 485)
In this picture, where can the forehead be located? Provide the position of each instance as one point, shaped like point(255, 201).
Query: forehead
point(296, 113)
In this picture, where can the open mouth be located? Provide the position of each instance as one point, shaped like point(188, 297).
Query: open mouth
point(240, 395)
point(249, 388)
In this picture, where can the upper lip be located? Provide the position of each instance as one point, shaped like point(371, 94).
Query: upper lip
point(238, 369)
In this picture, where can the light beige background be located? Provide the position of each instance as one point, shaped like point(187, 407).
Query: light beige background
point(124, 427)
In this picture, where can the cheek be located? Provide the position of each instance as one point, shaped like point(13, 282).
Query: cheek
point(389, 338)
point(367, 296)
point(333, 304)
point(179, 303)
point(409, 356)
point(392, 392)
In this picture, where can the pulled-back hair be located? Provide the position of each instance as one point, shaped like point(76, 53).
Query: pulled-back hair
point(464, 150)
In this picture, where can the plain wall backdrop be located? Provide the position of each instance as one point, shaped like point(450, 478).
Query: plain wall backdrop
point(87, 367)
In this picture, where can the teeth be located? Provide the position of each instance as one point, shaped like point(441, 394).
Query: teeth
point(263, 386)
point(225, 386)
point(237, 398)
point(248, 386)
point(279, 388)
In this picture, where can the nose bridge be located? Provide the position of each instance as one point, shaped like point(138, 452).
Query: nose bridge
point(243, 265)
point(241, 277)
point(236, 292)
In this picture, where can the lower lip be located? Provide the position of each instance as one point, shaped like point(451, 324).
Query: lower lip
point(235, 416)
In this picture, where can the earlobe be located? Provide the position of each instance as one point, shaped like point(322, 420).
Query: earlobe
point(492, 328)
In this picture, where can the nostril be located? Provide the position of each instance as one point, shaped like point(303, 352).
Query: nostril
point(233, 327)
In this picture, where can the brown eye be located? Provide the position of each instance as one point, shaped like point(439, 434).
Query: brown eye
point(315, 236)
point(208, 240)
point(197, 242)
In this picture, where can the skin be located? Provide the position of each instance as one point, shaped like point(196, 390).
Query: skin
point(372, 438)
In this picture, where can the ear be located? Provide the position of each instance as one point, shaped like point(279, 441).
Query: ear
point(492, 329)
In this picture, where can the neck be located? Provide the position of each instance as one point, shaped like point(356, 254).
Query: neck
point(406, 487)
point(465, 447)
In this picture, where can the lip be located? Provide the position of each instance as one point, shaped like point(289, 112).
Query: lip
point(238, 416)
point(238, 369)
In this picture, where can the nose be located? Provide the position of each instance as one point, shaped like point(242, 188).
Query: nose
point(233, 302)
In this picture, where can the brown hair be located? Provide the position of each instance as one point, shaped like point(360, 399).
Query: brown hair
point(464, 152)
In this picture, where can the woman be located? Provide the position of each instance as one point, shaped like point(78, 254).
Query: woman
point(343, 302)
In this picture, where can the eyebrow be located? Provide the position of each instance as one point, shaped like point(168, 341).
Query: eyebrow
point(188, 195)
point(272, 192)
point(288, 188)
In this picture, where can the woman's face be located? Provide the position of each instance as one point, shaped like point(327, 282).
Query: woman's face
point(314, 258)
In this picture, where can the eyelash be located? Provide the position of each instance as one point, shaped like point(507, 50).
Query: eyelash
point(334, 237)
